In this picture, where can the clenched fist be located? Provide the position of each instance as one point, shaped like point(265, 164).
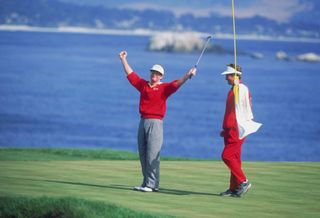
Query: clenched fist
point(123, 55)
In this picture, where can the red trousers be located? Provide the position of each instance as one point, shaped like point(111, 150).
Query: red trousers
point(231, 156)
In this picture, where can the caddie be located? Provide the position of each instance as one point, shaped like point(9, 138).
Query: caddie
point(237, 125)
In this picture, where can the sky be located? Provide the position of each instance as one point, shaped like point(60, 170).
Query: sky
point(278, 10)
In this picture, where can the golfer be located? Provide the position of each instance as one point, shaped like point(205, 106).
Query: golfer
point(152, 107)
point(237, 124)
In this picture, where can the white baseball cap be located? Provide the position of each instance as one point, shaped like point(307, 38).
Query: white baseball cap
point(157, 68)
point(231, 70)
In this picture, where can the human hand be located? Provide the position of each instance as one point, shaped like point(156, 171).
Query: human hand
point(192, 72)
point(123, 55)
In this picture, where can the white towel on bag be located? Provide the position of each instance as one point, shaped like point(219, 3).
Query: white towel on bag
point(244, 115)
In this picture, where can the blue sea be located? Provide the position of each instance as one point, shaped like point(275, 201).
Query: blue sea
point(69, 90)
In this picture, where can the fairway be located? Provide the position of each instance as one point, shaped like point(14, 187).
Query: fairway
point(187, 188)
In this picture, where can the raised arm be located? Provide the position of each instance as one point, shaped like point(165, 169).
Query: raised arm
point(123, 57)
point(191, 72)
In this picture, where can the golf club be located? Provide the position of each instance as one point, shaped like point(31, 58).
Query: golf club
point(203, 49)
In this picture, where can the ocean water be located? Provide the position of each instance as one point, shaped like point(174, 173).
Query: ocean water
point(69, 90)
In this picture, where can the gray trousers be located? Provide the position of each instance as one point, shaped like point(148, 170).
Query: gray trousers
point(150, 139)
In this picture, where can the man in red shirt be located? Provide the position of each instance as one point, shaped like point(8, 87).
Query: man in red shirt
point(237, 124)
point(152, 107)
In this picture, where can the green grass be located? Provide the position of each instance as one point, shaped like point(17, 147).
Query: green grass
point(67, 207)
point(188, 188)
point(43, 154)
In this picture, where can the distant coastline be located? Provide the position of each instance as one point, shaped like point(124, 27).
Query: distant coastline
point(146, 32)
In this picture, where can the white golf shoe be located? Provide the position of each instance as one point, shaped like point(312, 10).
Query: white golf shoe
point(146, 189)
point(137, 188)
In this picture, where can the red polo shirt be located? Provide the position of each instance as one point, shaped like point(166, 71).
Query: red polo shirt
point(152, 99)
point(230, 119)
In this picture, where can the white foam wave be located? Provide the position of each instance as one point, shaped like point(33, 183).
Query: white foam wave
point(81, 30)
point(147, 32)
point(176, 42)
point(281, 55)
point(309, 57)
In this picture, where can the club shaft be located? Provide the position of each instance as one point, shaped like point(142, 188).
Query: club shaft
point(203, 49)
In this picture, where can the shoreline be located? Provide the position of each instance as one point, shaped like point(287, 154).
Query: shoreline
point(146, 32)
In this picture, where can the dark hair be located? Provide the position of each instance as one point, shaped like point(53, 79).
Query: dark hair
point(238, 69)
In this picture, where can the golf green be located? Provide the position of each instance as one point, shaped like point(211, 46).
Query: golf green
point(187, 188)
